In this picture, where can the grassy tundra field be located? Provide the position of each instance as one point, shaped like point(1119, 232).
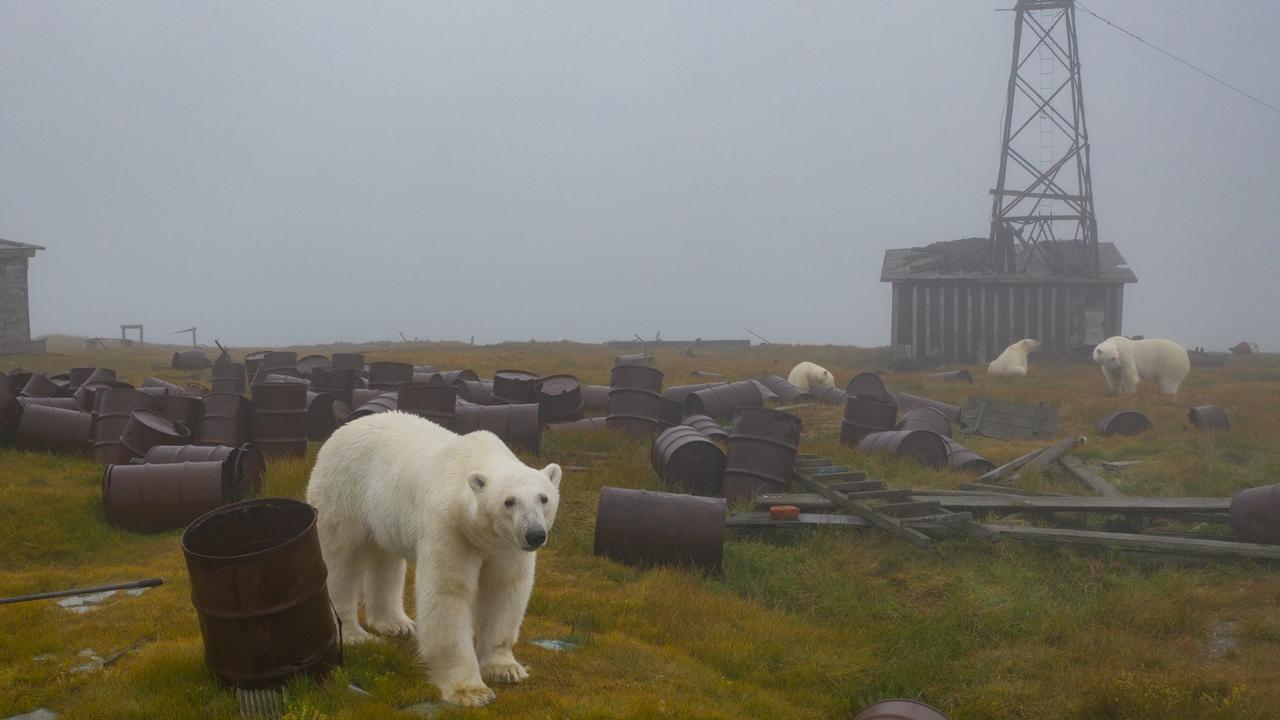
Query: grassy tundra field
point(811, 624)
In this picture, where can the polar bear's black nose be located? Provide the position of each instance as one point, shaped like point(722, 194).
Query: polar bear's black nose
point(535, 537)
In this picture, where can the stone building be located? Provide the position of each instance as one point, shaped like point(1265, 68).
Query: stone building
point(15, 315)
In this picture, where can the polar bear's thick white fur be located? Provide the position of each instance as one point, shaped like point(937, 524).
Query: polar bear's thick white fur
point(806, 375)
point(393, 487)
point(1013, 361)
point(1124, 362)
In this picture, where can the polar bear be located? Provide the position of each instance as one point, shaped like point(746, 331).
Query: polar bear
point(1124, 362)
point(395, 486)
point(1013, 361)
point(808, 375)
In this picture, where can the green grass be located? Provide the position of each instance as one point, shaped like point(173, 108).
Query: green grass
point(802, 624)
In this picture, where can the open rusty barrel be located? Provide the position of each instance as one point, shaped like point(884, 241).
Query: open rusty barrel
point(643, 358)
point(148, 428)
point(338, 382)
point(955, 376)
point(590, 424)
point(762, 451)
point(907, 401)
point(52, 429)
point(186, 409)
point(10, 411)
point(517, 425)
point(1124, 422)
point(1209, 417)
point(868, 385)
point(515, 386)
point(354, 361)
point(112, 410)
point(258, 587)
point(87, 395)
point(322, 415)
point(225, 419)
point(384, 402)
point(278, 362)
point(243, 471)
point(925, 447)
point(252, 361)
point(687, 461)
point(1255, 514)
point(828, 395)
point(192, 359)
point(925, 418)
point(636, 377)
point(433, 401)
point(899, 710)
point(595, 397)
point(707, 426)
point(228, 378)
point(866, 414)
point(963, 459)
point(560, 398)
point(40, 386)
point(308, 364)
point(643, 528)
point(387, 376)
point(280, 418)
point(785, 391)
point(158, 497)
point(478, 392)
point(721, 401)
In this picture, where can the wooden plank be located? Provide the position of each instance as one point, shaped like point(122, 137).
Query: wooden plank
point(984, 489)
point(909, 508)
point(1010, 466)
point(893, 526)
point(1076, 467)
point(1042, 461)
point(762, 521)
point(839, 477)
point(1145, 543)
point(856, 485)
point(807, 502)
point(964, 522)
point(1171, 506)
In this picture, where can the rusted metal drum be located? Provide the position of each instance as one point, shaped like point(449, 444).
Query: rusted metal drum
point(828, 395)
point(228, 378)
point(687, 461)
point(284, 362)
point(708, 427)
point(907, 402)
point(955, 376)
point(762, 451)
point(19, 377)
point(590, 424)
point(899, 710)
point(66, 403)
point(925, 447)
point(362, 396)
point(87, 395)
point(635, 399)
point(560, 398)
point(88, 375)
point(517, 425)
point(225, 419)
point(280, 418)
point(307, 365)
point(765, 393)
point(925, 418)
point(720, 401)
point(387, 376)
point(433, 401)
point(54, 429)
point(7, 383)
point(476, 391)
point(338, 382)
point(322, 418)
point(515, 386)
point(451, 377)
point(354, 361)
point(1209, 417)
point(258, 587)
point(963, 459)
point(644, 359)
point(183, 408)
point(643, 528)
point(636, 377)
point(243, 467)
point(866, 414)
point(670, 413)
point(195, 389)
point(40, 386)
point(595, 397)
point(159, 497)
point(112, 411)
point(785, 391)
point(252, 361)
point(680, 392)
point(192, 359)
point(148, 428)
point(868, 385)
point(1124, 422)
point(157, 386)
point(10, 411)
point(275, 376)
point(384, 402)
point(1255, 514)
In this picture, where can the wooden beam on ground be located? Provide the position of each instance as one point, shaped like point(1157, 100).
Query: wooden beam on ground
point(891, 525)
point(856, 485)
point(1043, 460)
point(1084, 474)
point(1145, 543)
point(984, 489)
point(1161, 506)
point(996, 474)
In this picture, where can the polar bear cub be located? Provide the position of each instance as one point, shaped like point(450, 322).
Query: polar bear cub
point(1125, 362)
point(1013, 361)
point(807, 375)
point(394, 487)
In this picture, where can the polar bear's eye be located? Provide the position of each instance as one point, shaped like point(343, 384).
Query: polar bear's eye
point(543, 498)
point(510, 502)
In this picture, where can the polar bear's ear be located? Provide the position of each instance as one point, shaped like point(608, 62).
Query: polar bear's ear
point(552, 472)
point(477, 481)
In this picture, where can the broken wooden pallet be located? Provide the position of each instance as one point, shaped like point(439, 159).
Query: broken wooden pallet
point(1006, 420)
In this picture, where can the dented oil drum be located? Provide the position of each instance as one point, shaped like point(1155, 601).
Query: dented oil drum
point(54, 430)
point(228, 378)
point(560, 398)
point(721, 401)
point(1209, 417)
point(252, 361)
point(451, 377)
point(828, 395)
point(643, 528)
point(595, 397)
point(1255, 514)
point(193, 359)
point(338, 382)
point(680, 393)
point(962, 459)
point(112, 411)
point(387, 376)
point(955, 376)
point(762, 451)
point(635, 400)
point(183, 408)
point(243, 469)
point(308, 364)
point(87, 395)
point(433, 401)
point(515, 386)
point(66, 403)
point(1124, 422)
point(925, 418)
point(866, 414)
point(644, 359)
point(155, 498)
point(280, 418)
point(284, 362)
point(899, 710)
point(636, 377)
point(322, 416)
point(41, 386)
point(868, 385)
point(352, 361)
point(478, 392)
point(148, 428)
point(258, 586)
point(518, 425)
point(925, 447)
point(765, 393)
point(785, 391)
point(707, 426)
point(907, 402)
point(157, 387)
point(687, 461)
point(384, 402)
point(591, 424)
point(225, 419)
point(90, 375)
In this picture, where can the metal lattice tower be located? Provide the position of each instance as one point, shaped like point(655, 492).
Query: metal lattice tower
point(1043, 201)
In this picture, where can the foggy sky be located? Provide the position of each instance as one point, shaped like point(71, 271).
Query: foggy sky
point(295, 172)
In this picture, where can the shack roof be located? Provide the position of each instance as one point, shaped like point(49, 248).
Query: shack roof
point(10, 248)
point(966, 259)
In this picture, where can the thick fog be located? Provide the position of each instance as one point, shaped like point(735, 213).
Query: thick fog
point(293, 172)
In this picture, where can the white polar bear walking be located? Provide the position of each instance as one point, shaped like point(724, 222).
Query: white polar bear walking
point(1124, 362)
point(394, 486)
point(806, 375)
point(1013, 361)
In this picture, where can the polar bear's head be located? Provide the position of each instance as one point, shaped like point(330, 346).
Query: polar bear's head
point(828, 379)
point(1030, 345)
point(517, 505)
point(1107, 355)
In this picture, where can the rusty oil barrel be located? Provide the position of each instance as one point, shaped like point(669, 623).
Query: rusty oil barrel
point(434, 401)
point(191, 359)
point(1124, 422)
point(157, 386)
point(865, 414)
point(360, 396)
point(225, 419)
point(636, 377)
point(595, 397)
point(89, 375)
point(963, 459)
point(642, 359)
point(515, 386)
point(387, 376)
point(307, 364)
point(635, 399)
point(258, 587)
point(41, 386)
point(828, 395)
point(707, 426)
point(243, 468)
point(785, 391)
point(1255, 514)
point(720, 401)
point(384, 402)
point(687, 461)
point(925, 418)
point(10, 411)
point(66, 403)
point(148, 428)
point(112, 410)
point(87, 395)
point(158, 497)
point(868, 385)
point(282, 362)
point(1209, 417)
point(322, 415)
point(762, 452)
point(280, 418)
point(955, 376)
point(354, 361)
point(907, 401)
point(899, 710)
point(228, 378)
point(670, 413)
point(183, 408)
point(560, 398)
point(478, 392)
point(679, 393)
point(765, 393)
point(451, 377)
point(925, 447)
point(591, 424)
point(338, 382)
point(643, 528)
point(518, 425)
point(251, 363)
point(18, 378)
point(54, 430)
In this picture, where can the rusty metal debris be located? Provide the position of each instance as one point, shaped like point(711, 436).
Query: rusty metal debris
point(515, 386)
point(955, 376)
point(225, 419)
point(643, 528)
point(828, 395)
point(518, 425)
point(1124, 422)
point(595, 397)
point(635, 399)
point(54, 430)
point(707, 426)
point(1209, 417)
point(192, 359)
point(433, 401)
point(560, 398)
point(147, 428)
point(387, 376)
point(868, 385)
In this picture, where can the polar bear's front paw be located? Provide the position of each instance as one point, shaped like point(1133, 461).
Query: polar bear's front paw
point(504, 672)
point(353, 634)
point(402, 625)
point(467, 695)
